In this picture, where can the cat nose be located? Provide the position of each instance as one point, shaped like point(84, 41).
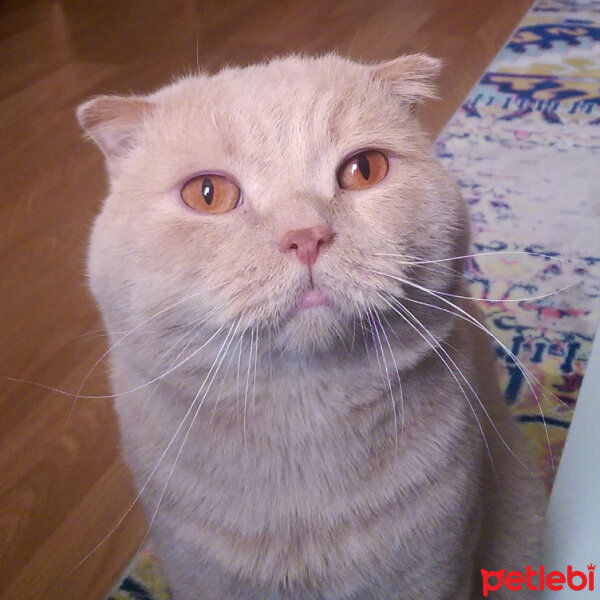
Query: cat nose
point(306, 242)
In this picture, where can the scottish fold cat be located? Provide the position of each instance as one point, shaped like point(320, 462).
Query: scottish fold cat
point(305, 397)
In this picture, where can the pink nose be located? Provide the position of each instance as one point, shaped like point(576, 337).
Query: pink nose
point(306, 242)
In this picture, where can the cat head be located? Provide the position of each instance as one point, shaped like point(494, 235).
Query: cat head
point(283, 198)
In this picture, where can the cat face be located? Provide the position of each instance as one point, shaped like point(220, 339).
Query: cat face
point(276, 198)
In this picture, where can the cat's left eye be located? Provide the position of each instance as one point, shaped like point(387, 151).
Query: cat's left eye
point(214, 194)
point(363, 170)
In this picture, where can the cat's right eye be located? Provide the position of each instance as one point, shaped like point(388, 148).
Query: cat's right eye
point(363, 170)
point(214, 194)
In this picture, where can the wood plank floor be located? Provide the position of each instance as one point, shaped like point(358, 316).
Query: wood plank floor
point(62, 485)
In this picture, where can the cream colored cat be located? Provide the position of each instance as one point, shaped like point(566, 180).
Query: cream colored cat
point(305, 406)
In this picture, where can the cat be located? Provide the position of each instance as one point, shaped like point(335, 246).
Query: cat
point(305, 398)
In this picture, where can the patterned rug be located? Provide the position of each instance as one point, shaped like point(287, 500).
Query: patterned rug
point(525, 147)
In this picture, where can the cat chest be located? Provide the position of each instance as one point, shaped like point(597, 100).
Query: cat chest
point(308, 533)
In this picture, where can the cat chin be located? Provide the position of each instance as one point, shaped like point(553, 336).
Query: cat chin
point(309, 331)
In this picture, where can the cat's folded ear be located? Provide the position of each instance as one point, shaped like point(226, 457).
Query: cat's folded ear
point(113, 123)
point(411, 77)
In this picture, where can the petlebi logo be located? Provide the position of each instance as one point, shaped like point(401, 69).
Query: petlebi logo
point(538, 580)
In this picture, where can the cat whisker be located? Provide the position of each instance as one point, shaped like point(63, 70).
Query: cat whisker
point(445, 363)
point(337, 330)
point(521, 366)
point(471, 389)
point(417, 261)
point(212, 373)
point(255, 366)
point(527, 374)
point(126, 392)
point(270, 354)
point(440, 261)
point(362, 327)
point(237, 382)
point(137, 328)
point(475, 322)
point(247, 386)
point(146, 482)
point(77, 395)
point(467, 317)
point(372, 329)
point(387, 378)
point(197, 328)
point(420, 261)
point(527, 299)
point(436, 270)
point(193, 333)
point(102, 333)
point(96, 334)
point(397, 370)
point(212, 416)
point(353, 335)
point(167, 372)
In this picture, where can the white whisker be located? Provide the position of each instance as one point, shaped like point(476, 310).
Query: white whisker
point(431, 345)
point(255, 366)
point(247, 386)
point(510, 450)
point(475, 322)
point(79, 396)
point(194, 332)
point(130, 391)
point(141, 490)
point(136, 328)
point(362, 327)
point(212, 416)
point(372, 329)
point(237, 382)
point(527, 374)
point(395, 368)
point(220, 357)
point(480, 254)
point(388, 379)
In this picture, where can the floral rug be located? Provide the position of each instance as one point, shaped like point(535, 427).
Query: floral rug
point(525, 147)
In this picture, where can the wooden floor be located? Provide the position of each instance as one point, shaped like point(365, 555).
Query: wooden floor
point(62, 485)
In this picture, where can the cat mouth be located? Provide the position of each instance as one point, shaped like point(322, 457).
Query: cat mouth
point(311, 298)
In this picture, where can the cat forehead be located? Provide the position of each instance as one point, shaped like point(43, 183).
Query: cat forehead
point(289, 100)
point(292, 78)
point(278, 103)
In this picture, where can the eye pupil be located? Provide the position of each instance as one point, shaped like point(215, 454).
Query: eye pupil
point(211, 193)
point(363, 170)
point(363, 165)
point(208, 190)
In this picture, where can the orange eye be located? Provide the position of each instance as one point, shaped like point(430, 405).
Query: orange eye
point(363, 170)
point(212, 194)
